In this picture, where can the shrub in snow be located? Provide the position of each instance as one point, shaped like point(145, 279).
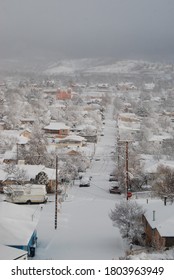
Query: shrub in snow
point(41, 178)
point(127, 216)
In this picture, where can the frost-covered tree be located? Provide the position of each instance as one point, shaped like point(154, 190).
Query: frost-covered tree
point(72, 116)
point(16, 173)
point(118, 103)
point(106, 99)
point(127, 216)
point(141, 110)
point(89, 130)
point(36, 152)
point(68, 171)
point(164, 183)
point(77, 100)
point(14, 100)
point(96, 118)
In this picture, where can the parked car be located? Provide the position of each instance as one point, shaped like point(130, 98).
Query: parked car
point(115, 190)
point(113, 178)
point(114, 184)
point(84, 185)
point(85, 182)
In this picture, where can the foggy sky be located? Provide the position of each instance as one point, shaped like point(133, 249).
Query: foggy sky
point(87, 28)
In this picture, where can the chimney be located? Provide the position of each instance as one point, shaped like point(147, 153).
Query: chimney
point(153, 215)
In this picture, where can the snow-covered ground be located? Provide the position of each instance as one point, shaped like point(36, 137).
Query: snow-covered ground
point(84, 230)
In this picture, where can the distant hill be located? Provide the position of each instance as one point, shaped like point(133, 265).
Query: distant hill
point(106, 65)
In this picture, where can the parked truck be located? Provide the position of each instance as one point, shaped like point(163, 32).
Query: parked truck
point(29, 193)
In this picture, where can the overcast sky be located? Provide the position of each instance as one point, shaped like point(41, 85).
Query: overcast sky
point(87, 28)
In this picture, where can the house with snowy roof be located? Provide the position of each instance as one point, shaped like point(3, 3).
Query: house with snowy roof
point(10, 156)
point(18, 226)
point(26, 133)
point(30, 171)
point(72, 140)
point(28, 121)
point(159, 224)
point(57, 129)
point(149, 86)
point(158, 140)
point(64, 94)
point(19, 139)
point(149, 165)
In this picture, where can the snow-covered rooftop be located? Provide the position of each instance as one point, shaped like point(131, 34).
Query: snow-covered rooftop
point(17, 223)
point(85, 126)
point(23, 140)
point(162, 219)
point(160, 137)
point(3, 175)
point(150, 165)
point(9, 253)
point(149, 86)
point(56, 126)
point(73, 138)
point(31, 171)
point(128, 117)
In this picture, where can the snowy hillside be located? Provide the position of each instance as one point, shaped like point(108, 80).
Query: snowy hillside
point(99, 66)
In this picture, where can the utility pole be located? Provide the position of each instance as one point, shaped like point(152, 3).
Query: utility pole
point(127, 168)
point(17, 153)
point(118, 152)
point(56, 192)
point(94, 148)
point(126, 164)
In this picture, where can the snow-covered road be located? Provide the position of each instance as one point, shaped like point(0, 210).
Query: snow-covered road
point(85, 231)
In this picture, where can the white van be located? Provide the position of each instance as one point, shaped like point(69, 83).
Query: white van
point(26, 194)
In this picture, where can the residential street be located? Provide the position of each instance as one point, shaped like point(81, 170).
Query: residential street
point(85, 230)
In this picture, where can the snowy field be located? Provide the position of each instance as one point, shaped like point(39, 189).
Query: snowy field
point(84, 230)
